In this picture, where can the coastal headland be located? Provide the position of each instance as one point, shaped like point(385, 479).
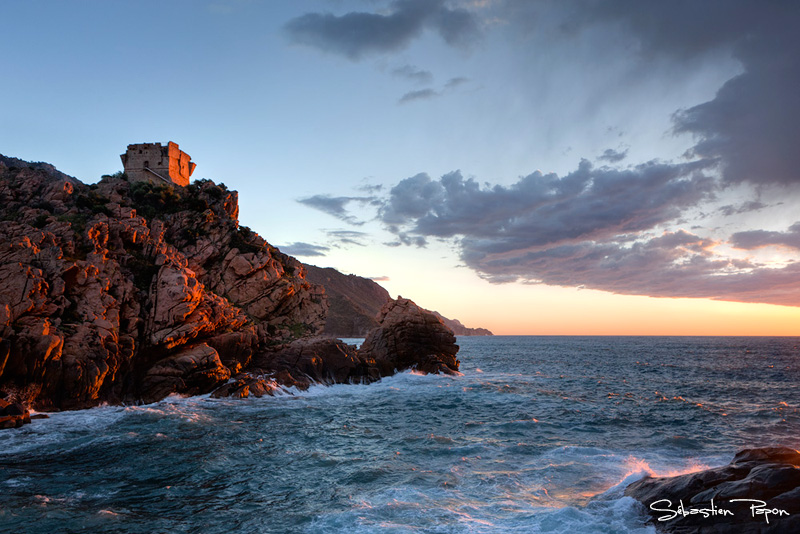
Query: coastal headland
point(129, 290)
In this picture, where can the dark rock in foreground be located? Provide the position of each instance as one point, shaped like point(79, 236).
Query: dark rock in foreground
point(411, 338)
point(758, 493)
point(13, 415)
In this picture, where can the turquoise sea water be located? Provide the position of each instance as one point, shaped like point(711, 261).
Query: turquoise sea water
point(540, 434)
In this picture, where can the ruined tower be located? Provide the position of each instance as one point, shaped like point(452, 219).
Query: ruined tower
point(155, 163)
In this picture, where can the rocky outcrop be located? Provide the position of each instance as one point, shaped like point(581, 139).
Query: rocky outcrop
point(120, 292)
point(411, 338)
point(758, 493)
point(124, 292)
point(407, 337)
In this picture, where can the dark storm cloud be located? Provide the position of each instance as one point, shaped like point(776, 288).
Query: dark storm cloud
point(304, 249)
point(544, 209)
point(613, 156)
point(336, 206)
point(761, 238)
point(753, 122)
point(356, 34)
point(414, 74)
point(422, 94)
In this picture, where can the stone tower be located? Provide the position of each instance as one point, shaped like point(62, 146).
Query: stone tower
point(155, 163)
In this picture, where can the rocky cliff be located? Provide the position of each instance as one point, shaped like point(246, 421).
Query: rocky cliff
point(355, 302)
point(126, 292)
point(120, 292)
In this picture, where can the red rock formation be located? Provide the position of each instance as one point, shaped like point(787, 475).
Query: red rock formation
point(128, 292)
point(121, 292)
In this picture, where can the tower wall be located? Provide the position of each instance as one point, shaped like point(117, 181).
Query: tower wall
point(153, 162)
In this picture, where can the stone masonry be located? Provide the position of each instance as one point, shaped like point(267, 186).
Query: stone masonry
point(155, 163)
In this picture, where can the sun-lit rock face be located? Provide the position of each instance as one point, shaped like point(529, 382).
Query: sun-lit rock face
point(128, 292)
point(125, 291)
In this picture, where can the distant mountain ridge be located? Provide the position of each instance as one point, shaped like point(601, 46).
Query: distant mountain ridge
point(461, 330)
point(355, 301)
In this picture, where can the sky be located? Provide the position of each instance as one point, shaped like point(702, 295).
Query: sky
point(617, 167)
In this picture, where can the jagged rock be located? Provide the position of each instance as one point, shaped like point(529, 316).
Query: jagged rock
point(236, 348)
point(127, 292)
point(768, 475)
point(410, 337)
point(247, 385)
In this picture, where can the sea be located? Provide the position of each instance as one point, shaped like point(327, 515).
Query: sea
point(538, 434)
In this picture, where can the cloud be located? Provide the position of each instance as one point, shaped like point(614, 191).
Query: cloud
point(673, 265)
point(414, 74)
point(336, 206)
point(613, 156)
point(304, 249)
point(752, 239)
point(427, 94)
point(753, 123)
point(379, 278)
point(348, 237)
point(422, 94)
point(596, 228)
point(357, 34)
point(452, 83)
point(538, 210)
point(405, 239)
point(750, 205)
